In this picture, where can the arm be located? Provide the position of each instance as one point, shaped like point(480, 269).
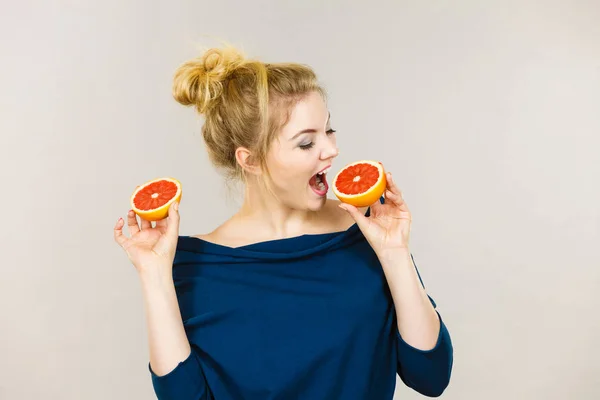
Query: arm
point(174, 365)
point(425, 353)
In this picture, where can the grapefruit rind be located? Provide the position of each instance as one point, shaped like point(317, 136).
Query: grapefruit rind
point(368, 197)
point(159, 212)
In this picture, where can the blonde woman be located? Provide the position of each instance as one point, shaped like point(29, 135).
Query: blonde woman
point(295, 296)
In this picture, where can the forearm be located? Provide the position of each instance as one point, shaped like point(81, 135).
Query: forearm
point(168, 342)
point(418, 322)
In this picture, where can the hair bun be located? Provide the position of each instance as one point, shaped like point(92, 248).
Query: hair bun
point(199, 81)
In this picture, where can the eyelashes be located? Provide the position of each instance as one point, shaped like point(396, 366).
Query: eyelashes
point(308, 146)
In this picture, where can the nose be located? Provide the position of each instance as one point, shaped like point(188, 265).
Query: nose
point(330, 152)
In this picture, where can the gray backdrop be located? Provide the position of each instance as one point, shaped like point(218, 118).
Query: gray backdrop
point(487, 113)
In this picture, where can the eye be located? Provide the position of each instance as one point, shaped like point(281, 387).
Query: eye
point(307, 146)
point(311, 144)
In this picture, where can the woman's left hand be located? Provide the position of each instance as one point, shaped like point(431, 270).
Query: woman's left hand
point(387, 228)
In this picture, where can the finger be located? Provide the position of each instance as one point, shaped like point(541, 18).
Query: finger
point(145, 224)
point(173, 220)
point(394, 189)
point(361, 220)
point(163, 224)
point(120, 238)
point(391, 185)
point(167, 244)
point(397, 200)
point(132, 223)
point(393, 197)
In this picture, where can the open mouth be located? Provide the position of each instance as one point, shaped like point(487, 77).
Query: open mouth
point(318, 182)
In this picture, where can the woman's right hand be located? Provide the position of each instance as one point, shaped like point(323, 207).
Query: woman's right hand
point(149, 248)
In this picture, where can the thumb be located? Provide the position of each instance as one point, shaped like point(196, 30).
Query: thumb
point(167, 244)
point(173, 220)
point(360, 219)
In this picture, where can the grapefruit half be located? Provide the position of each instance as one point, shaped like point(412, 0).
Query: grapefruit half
point(151, 200)
point(360, 183)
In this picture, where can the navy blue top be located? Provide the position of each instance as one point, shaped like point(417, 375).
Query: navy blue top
point(309, 317)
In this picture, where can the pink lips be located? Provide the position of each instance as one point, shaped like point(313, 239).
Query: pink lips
point(324, 180)
point(324, 169)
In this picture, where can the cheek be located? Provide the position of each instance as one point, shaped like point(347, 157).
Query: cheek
point(282, 173)
point(291, 170)
point(291, 177)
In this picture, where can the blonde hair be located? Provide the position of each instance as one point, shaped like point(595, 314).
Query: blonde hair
point(245, 102)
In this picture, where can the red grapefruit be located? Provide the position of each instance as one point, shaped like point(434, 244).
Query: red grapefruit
point(151, 200)
point(360, 183)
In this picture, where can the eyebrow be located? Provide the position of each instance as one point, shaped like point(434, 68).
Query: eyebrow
point(309, 130)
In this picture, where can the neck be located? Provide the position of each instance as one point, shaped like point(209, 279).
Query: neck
point(266, 213)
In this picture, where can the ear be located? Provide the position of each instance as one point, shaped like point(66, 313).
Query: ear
point(246, 161)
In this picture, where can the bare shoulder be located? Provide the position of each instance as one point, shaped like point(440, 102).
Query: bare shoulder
point(220, 235)
point(337, 218)
point(209, 236)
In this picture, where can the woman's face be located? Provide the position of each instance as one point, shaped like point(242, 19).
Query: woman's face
point(302, 154)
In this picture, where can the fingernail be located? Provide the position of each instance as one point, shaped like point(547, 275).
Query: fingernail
point(176, 206)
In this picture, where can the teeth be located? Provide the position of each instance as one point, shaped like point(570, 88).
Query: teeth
point(324, 171)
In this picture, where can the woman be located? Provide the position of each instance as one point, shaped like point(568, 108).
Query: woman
point(296, 296)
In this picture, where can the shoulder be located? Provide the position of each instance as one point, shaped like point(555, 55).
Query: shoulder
point(225, 234)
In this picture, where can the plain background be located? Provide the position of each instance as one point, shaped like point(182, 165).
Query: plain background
point(488, 114)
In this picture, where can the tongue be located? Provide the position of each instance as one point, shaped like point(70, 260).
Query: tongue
point(313, 181)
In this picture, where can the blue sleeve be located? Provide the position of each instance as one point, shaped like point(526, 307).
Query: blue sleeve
point(185, 382)
point(426, 371)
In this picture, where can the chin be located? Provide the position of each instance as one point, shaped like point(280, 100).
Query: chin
point(316, 202)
